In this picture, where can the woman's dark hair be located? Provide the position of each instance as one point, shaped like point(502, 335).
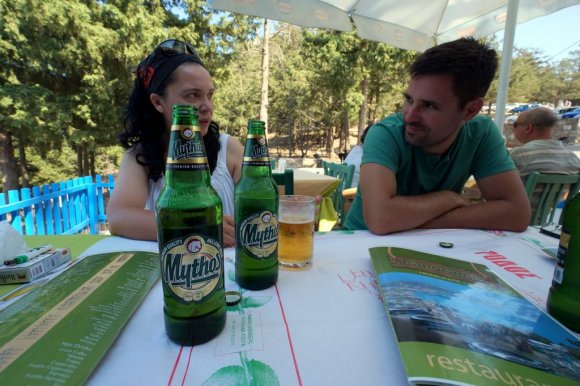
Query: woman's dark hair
point(145, 131)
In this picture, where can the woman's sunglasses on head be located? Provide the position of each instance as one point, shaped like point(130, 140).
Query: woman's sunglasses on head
point(171, 47)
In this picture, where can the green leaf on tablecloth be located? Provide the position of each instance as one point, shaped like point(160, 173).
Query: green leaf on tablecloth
point(231, 375)
point(255, 301)
point(259, 374)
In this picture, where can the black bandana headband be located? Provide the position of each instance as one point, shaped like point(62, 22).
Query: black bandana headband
point(167, 56)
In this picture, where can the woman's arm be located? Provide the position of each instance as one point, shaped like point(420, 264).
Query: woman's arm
point(126, 212)
point(234, 158)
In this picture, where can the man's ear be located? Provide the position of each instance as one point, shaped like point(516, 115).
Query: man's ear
point(473, 108)
point(156, 102)
point(528, 128)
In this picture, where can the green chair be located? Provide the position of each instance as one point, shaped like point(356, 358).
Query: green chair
point(286, 179)
point(545, 191)
point(344, 173)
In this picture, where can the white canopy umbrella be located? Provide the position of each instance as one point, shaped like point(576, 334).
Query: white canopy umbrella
point(409, 24)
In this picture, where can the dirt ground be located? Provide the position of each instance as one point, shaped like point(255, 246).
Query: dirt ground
point(278, 149)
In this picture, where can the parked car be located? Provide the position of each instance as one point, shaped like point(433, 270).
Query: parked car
point(562, 110)
point(511, 118)
point(510, 106)
point(521, 108)
point(572, 112)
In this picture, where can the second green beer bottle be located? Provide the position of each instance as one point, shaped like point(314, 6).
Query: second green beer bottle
point(189, 232)
point(256, 215)
point(564, 296)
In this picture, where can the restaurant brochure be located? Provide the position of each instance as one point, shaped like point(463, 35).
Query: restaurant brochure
point(458, 323)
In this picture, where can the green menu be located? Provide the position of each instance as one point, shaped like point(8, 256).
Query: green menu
point(58, 333)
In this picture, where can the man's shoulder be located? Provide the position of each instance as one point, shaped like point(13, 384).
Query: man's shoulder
point(392, 121)
point(481, 124)
point(539, 144)
point(481, 133)
point(481, 130)
point(389, 128)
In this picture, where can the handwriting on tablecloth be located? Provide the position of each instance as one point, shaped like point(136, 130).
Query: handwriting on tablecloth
point(361, 280)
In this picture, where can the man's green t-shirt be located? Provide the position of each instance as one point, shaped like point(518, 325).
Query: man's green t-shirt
point(478, 150)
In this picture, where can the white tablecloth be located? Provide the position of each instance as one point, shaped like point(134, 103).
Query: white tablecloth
point(323, 326)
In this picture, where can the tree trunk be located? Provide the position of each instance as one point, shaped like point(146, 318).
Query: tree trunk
point(291, 142)
point(22, 165)
point(329, 140)
point(79, 160)
point(86, 163)
point(377, 103)
point(362, 115)
point(92, 170)
point(343, 142)
point(8, 166)
point(265, 73)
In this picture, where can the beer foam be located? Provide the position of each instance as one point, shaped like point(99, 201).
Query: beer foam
point(290, 219)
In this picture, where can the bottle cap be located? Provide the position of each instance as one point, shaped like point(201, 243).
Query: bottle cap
point(233, 298)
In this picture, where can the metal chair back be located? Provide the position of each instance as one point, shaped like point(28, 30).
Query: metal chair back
point(545, 191)
point(287, 179)
point(344, 173)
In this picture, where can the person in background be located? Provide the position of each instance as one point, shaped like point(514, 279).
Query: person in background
point(354, 157)
point(172, 74)
point(415, 163)
point(539, 152)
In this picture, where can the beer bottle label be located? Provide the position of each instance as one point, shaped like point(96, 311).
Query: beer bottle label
point(561, 257)
point(186, 152)
point(259, 234)
point(256, 151)
point(192, 267)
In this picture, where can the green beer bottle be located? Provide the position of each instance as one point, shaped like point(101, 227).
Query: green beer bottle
point(564, 297)
point(256, 214)
point(189, 232)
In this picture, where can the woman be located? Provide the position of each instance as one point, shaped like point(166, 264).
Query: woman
point(172, 74)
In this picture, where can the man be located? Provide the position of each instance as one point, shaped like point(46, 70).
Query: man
point(539, 152)
point(416, 163)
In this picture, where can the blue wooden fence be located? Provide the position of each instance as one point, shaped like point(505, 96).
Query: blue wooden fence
point(66, 207)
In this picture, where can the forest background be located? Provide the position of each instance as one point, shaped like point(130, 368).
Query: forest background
point(67, 68)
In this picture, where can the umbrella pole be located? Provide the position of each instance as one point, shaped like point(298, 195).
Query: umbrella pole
point(506, 62)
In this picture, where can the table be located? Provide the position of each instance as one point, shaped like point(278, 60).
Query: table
point(309, 183)
point(326, 325)
point(313, 170)
point(314, 184)
point(77, 243)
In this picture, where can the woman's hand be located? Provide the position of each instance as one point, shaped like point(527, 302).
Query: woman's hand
point(229, 230)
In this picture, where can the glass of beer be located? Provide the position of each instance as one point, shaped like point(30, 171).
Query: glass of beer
point(296, 231)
